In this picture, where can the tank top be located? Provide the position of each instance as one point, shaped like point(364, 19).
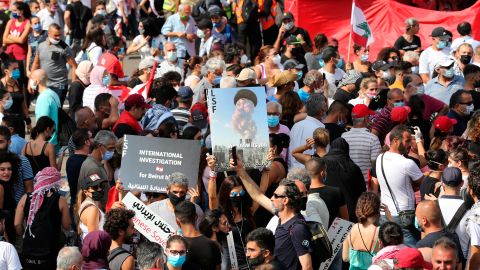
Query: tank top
point(46, 227)
point(269, 90)
point(83, 226)
point(17, 98)
point(361, 259)
point(18, 51)
point(38, 162)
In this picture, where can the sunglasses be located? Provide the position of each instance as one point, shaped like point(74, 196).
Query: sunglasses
point(466, 103)
point(237, 194)
point(277, 196)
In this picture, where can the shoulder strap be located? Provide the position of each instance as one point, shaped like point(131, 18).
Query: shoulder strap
point(388, 186)
point(33, 155)
point(457, 217)
point(83, 209)
point(115, 253)
point(44, 146)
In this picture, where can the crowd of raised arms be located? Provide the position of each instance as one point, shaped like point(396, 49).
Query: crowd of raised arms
point(385, 146)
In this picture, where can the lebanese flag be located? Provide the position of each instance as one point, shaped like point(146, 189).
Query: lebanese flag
point(143, 89)
point(361, 32)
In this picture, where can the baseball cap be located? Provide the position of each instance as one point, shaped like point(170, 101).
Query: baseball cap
point(444, 123)
point(350, 78)
point(452, 176)
point(247, 74)
point(292, 63)
point(283, 78)
point(361, 111)
point(246, 94)
point(411, 258)
point(380, 65)
point(92, 180)
point(400, 114)
point(292, 40)
point(444, 62)
point(440, 32)
point(98, 19)
point(136, 100)
point(199, 115)
point(214, 11)
point(146, 63)
point(287, 15)
point(185, 93)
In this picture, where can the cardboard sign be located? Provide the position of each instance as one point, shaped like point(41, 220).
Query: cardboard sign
point(147, 222)
point(148, 162)
point(238, 117)
point(231, 251)
point(337, 234)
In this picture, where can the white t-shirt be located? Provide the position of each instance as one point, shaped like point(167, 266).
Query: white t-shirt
point(429, 58)
point(400, 173)
point(300, 132)
point(8, 257)
point(474, 231)
point(190, 79)
point(333, 79)
point(166, 66)
point(460, 40)
point(46, 19)
point(93, 54)
point(146, 51)
point(449, 206)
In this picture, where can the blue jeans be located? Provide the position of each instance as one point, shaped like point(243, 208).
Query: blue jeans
point(410, 234)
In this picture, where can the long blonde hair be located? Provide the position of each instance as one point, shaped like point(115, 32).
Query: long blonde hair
point(80, 198)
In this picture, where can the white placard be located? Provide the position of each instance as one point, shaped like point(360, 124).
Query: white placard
point(147, 222)
point(231, 251)
point(336, 233)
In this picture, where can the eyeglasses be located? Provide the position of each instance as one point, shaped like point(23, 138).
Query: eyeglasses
point(467, 103)
point(178, 252)
point(277, 196)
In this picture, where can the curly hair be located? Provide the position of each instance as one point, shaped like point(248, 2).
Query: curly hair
point(384, 53)
point(211, 219)
point(117, 219)
point(474, 127)
point(390, 233)
point(474, 182)
point(368, 206)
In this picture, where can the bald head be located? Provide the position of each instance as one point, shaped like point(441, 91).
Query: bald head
point(40, 77)
point(85, 118)
point(429, 215)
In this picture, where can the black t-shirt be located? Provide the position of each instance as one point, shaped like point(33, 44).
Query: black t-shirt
point(333, 198)
point(75, 97)
point(476, 99)
point(203, 252)
point(403, 44)
point(429, 240)
point(276, 265)
point(185, 266)
point(134, 82)
point(428, 186)
point(334, 130)
point(124, 129)
point(299, 52)
point(79, 17)
point(74, 163)
point(292, 240)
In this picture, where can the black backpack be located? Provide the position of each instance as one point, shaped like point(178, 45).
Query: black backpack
point(321, 245)
point(66, 127)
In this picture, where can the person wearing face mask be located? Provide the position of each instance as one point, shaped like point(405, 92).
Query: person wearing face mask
point(119, 225)
point(99, 80)
point(461, 108)
point(177, 189)
point(368, 92)
point(172, 61)
point(314, 59)
point(465, 31)
point(149, 42)
point(39, 151)
point(111, 58)
point(102, 150)
point(176, 250)
point(296, 68)
point(268, 66)
point(314, 83)
point(412, 57)
point(260, 248)
point(204, 32)
point(35, 37)
point(181, 29)
point(438, 50)
point(361, 63)
point(212, 74)
point(88, 208)
point(471, 74)
point(288, 29)
point(463, 56)
point(333, 74)
point(128, 123)
point(221, 31)
point(346, 87)
point(284, 82)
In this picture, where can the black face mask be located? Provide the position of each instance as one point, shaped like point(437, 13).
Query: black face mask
point(256, 261)
point(476, 84)
point(465, 59)
point(221, 235)
point(236, 201)
point(174, 199)
point(97, 195)
point(304, 203)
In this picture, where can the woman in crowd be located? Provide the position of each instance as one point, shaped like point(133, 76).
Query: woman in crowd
point(451, 143)
point(361, 244)
point(292, 107)
point(95, 249)
point(37, 36)
point(459, 158)
point(473, 131)
point(45, 213)
point(75, 92)
point(93, 46)
point(176, 251)
point(320, 141)
point(5, 102)
point(142, 74)
point(443, 127)
point(215, 226)
point(314, 59)
point(437, 162)
point(389, 55)
point(267, 65)
point(11, 82)
point(193, 67)
point(168, 130)
point(150, 42)
point(39, 151)
point(368, 92)
point(91, 217)
point(9, 168)
point(99, 80)
point(361, 63)
point(390, 235)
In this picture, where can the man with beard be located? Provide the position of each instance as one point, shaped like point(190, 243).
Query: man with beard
point(398, 178)
point(119, 225)
point(260, 247)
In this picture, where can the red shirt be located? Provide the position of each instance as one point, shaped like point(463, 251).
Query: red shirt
point(111, 63)
point(18, 51)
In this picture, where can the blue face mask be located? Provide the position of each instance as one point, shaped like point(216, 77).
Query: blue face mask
point(107, 155)
point(217, 79)
point(217, 24)
point(176, 261)
point(320, 62)
point(442, 44)
point(449, 73)
point(106, 80)
point(299, 75)
point(399, 104)
point(121, 51)
point(364, 57)
point(340, 63)
point(273, 120)
point(15, 15)
point(16, 74)
point(417, 226)
point(37, 27)
point(8, 104)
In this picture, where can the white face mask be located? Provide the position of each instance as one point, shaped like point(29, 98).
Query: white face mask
point(33, 85)
point(289, 26)
point(276, 59)
point(469, 109)
point(415, 69)
point(244, 59)
point(172, 56)
point(54, 41)
point(200, 33)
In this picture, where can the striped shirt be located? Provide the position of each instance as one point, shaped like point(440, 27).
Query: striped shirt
point(24, 174)
point(381, 122)
point(364, 147)
point(182, 115)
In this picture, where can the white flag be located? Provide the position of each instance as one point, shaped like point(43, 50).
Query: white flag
point(361, 32)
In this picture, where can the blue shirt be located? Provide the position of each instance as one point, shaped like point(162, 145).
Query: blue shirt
point(461, 124)
point(437, 90)
point(303, 95)
point(24, 174)
point(48, 103)
point(17, 144)
point(174, 24)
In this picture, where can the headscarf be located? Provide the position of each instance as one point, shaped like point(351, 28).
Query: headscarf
point(96, 76)
point(83, 71)
point(95, 248)
point(45, 180)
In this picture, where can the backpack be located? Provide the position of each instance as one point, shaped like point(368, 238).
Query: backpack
point(321, 245)
point(66, 127)
point(250, 10)
point(279, 10)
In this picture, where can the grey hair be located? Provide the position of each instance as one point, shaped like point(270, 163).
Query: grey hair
point(301, 175)
point(411, 21)
point(147, 253)
point(311, 77)
point(213, 64)
point(168, 43)
point(358, 121)
point(228, 82)
point(177, 178)
point(68, 256)
point(103, 137)
point(275, 104)
point(411, 56)
point(182, 7)
point(314, 104)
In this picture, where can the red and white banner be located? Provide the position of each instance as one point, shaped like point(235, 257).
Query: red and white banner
point(361, 32)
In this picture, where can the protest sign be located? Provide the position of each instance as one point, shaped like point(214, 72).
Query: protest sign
point(231, 251)
point(336, 233)
point(238, 117)
point(148, 162)
point(147, 222)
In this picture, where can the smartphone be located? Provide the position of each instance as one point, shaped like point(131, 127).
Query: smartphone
point(233, 155)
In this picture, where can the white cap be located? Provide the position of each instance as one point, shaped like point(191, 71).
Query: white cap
point(444, 62)
point(247, 74)
point(146, 63)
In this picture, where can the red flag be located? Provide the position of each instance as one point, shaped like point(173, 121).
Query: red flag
point(148, 85)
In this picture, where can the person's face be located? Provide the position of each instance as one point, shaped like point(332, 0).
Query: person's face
point(273, 110)
point(271, 54)
point(465, 50)
point(105, 109)
point(170, 48)
point(396, 97)
point(90, 122)
point(138, 112)
point(216, 19)
point(4, 143)
point(140, 25)
point(414, 28)
point(363, 50)
point(223, 225)
point(108, 147)
point(55, 34)
point(89, 192)
point(34, 8)
point(253, 250)
point(13, 66)
point(405, 144)
point(5, 98)
point(178, 190)
point(129, 232)
point(35, 20)
point(53, 6)
point(176, 248)
point(100, 9)
point(187, 11)
point(5, 171)
point(371, 89)
point(393, 56)
point(466, 100)
point(279, 199)
point(444, 259)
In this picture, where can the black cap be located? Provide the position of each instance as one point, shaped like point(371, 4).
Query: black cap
point(214, 11)
point(452, 177)
point(292, 63)
point(287, 15)
point(380, 65)
point(440, 32)
point(247, 94)
point(92, 180)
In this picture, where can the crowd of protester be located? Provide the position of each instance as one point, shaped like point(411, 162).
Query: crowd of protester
point(389, 142)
